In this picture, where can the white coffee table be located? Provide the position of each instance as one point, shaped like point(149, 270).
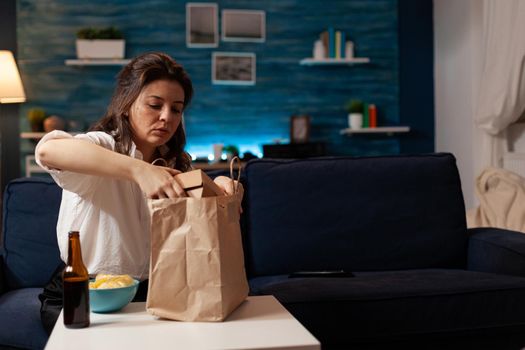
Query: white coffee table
point(260, 322)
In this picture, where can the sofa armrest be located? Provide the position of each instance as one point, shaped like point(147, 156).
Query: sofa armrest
point(497, 251)
point(3, 283)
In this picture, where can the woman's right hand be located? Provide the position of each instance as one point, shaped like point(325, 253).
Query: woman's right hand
point(158, 181)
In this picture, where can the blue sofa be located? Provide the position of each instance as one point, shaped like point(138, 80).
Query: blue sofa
point(29, 257)
point(421, 279)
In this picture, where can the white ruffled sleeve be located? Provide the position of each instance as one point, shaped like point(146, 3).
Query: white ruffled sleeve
point(68, 180)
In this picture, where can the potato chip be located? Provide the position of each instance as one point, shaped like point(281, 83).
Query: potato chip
point(106, 281)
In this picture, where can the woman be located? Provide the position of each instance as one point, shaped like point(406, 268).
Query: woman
point(108, 173)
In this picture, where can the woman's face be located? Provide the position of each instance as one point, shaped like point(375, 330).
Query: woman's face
point(156, 114)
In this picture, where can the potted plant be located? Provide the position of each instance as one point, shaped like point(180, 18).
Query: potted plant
point(355, 114)
point(100, 43)
point(36, 117)
point(231, 151)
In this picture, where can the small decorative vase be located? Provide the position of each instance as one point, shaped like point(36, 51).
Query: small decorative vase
point(355, 121)
point(318, 52)
point(54, 123)
point(217, 152)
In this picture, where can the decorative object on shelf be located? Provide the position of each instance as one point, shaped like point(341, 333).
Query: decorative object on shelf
point(355, 121)
point(102, 43)
point(217, 152)
point(333, 48)
point(372, 116)
point(355, 114)
point(202, 25)
point(233, 68)
point(243, 25)
point(54, 122)
point(349, 49)
point(366, 122)
point(318, 52)
point(231, 152)
point(36, 117)
point(299, 128)
point(334, 42)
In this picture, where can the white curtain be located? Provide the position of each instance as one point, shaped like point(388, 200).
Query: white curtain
point(501, 99)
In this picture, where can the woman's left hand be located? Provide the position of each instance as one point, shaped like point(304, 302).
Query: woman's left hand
point(157, 181)
point(227, 185)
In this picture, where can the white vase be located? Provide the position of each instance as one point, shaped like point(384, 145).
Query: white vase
point(355, 121)
point(98, 49)
point(318, 52)
point(349, 50)
point(217, 152)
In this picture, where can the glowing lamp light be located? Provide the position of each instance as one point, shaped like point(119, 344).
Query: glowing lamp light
point(11, 88)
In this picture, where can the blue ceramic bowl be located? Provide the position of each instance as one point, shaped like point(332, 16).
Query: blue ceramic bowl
point(113, 299)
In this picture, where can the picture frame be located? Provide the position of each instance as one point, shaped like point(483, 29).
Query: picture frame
point(233, 68)
point(202, 25)
point(300, 128)
point(243, 25)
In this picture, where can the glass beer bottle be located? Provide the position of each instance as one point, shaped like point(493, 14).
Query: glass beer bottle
point(76, 286)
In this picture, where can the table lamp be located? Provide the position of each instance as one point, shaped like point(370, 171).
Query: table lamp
point(11, 91)
point(11, 88)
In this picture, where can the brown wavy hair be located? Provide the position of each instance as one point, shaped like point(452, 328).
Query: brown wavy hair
point(141, 71)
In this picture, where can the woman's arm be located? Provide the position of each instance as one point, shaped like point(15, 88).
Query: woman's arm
point(87, 158)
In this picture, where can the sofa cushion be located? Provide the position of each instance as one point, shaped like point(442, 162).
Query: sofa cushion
point(496, 250)
point(30, 215)
point(358, 214)
point(379, 305)
point(20, 324)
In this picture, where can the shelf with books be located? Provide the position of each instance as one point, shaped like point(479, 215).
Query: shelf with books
point(334, 61)
point(333, 48)
point(389, 130)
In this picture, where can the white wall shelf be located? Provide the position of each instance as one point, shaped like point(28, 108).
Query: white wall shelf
point(389, 130)
point(334, 61)
point(30, 164)
point(32, 135)
point(39, 135)
point(97, 62)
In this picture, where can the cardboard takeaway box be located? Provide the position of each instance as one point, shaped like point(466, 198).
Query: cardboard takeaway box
point(197, 184)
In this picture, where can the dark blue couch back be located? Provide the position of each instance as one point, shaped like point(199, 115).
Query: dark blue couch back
point(30, 214)
point(358, 214)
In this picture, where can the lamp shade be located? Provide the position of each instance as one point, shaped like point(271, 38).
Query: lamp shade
point(11, 88)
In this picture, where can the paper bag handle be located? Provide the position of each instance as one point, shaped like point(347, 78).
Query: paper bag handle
point(235, 188)
point(160, 160)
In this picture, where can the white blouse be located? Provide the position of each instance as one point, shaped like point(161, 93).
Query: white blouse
point(111, 215)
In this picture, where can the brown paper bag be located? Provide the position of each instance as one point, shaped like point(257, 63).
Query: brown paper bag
point(197, 263)
point(197, 184)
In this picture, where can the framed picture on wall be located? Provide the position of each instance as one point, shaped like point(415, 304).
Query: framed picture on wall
point(243, 25)
point(299, 128)
point(233, 68)
point(202, 25)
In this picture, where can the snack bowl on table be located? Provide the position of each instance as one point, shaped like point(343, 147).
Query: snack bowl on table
point(112, 299)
